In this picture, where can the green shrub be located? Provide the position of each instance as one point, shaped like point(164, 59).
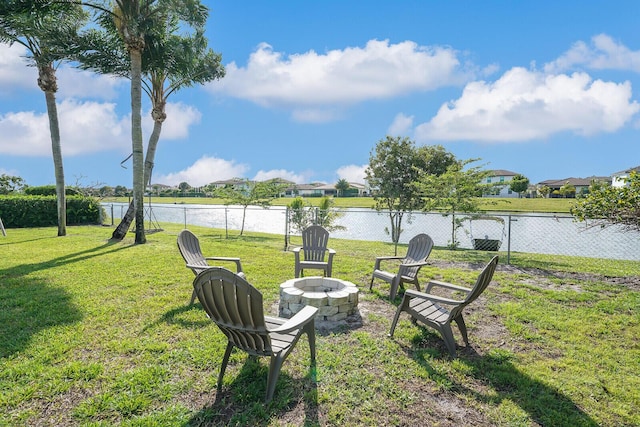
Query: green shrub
point(42, 211)
point(49, 190)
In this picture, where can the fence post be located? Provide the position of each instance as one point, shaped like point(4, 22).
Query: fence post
point(184, 212)
point(226, 222)
point(286, 228)
point(509, 241)
point(112, 223)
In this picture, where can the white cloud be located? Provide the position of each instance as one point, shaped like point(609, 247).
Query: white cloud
point(401, 125)
point(204, 171)
point(176, 126)
point(74, 83)
point(524, 105)
point(308, 83)
point(603, 53)
point(85, 127)
point(280, 173)
point(352, 173)
point(14, 72)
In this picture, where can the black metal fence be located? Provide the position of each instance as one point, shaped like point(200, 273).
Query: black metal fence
point(508, 233)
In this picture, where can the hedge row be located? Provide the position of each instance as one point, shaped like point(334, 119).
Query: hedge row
point(42, 211)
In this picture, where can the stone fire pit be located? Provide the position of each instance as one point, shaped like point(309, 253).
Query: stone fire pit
point(335, 299)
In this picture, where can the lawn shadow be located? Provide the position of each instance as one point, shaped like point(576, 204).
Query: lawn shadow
point(544, 404)
point(245, 395)
point(175, 317)
point(29, 305)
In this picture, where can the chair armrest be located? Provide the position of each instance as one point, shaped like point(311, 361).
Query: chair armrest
point(331, 251)
point(230, 259)
point(385, 258)
point(417, 294)
point(414, 264)
point(437, 283)
point(300, 319)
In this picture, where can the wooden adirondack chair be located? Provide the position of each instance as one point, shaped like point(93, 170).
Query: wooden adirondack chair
point(430, 309)
point(189, 247)
point(236, 307)
point(417, 253)
point(314, 251)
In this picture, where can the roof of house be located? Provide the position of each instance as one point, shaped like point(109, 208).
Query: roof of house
point(502, 172)
point(626, 171)
point(576, 182)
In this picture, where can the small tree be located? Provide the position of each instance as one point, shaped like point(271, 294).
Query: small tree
point(394, 165)
point(184, 187)
point(454, 191)
point(342, 186)
point(326, 215)
point(519, 184)
point(250, 194)
point(299, 215)
point(10, 184)
point(544, 191)
point(606, 205)
point(567, 190)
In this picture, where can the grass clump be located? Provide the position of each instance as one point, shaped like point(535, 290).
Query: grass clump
point(100, 333)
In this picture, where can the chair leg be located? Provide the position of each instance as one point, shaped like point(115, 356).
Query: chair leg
point(463, 328)
point(395, 284)
point(403, 305)
point(310, 329)
point(223, 367)
point(274, 372)
point(447, 335)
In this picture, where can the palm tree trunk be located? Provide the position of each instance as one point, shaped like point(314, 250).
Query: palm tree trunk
point(47, 82)
point(127, 219)
point(136, 143)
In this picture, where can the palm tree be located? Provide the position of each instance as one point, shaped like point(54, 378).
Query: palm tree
point(169, 63)
point(135, 20)
point(44, 30)
point(342, 186)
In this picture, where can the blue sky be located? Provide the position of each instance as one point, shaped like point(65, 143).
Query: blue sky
point(548, 89)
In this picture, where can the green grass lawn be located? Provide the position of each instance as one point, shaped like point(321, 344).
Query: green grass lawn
point(96, 333)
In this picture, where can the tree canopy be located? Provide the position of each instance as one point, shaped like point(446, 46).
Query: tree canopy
point(606, 205)
point(395, 164)
point(519, 184)
point(456, 190)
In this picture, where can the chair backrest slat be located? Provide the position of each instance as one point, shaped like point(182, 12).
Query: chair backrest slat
point(189, 247)
point(484, 278)
point(236, 307)
point(315, 240)
point(420, 247)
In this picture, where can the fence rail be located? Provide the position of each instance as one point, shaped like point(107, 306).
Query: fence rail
point(528, 233)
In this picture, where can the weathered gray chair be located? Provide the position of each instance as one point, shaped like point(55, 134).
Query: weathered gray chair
point(430, 309)
point(314, 249)
point(189, 247)
point(236, 307)
point(417, 253)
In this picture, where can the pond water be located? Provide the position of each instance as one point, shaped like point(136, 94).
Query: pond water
point(533, 233)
